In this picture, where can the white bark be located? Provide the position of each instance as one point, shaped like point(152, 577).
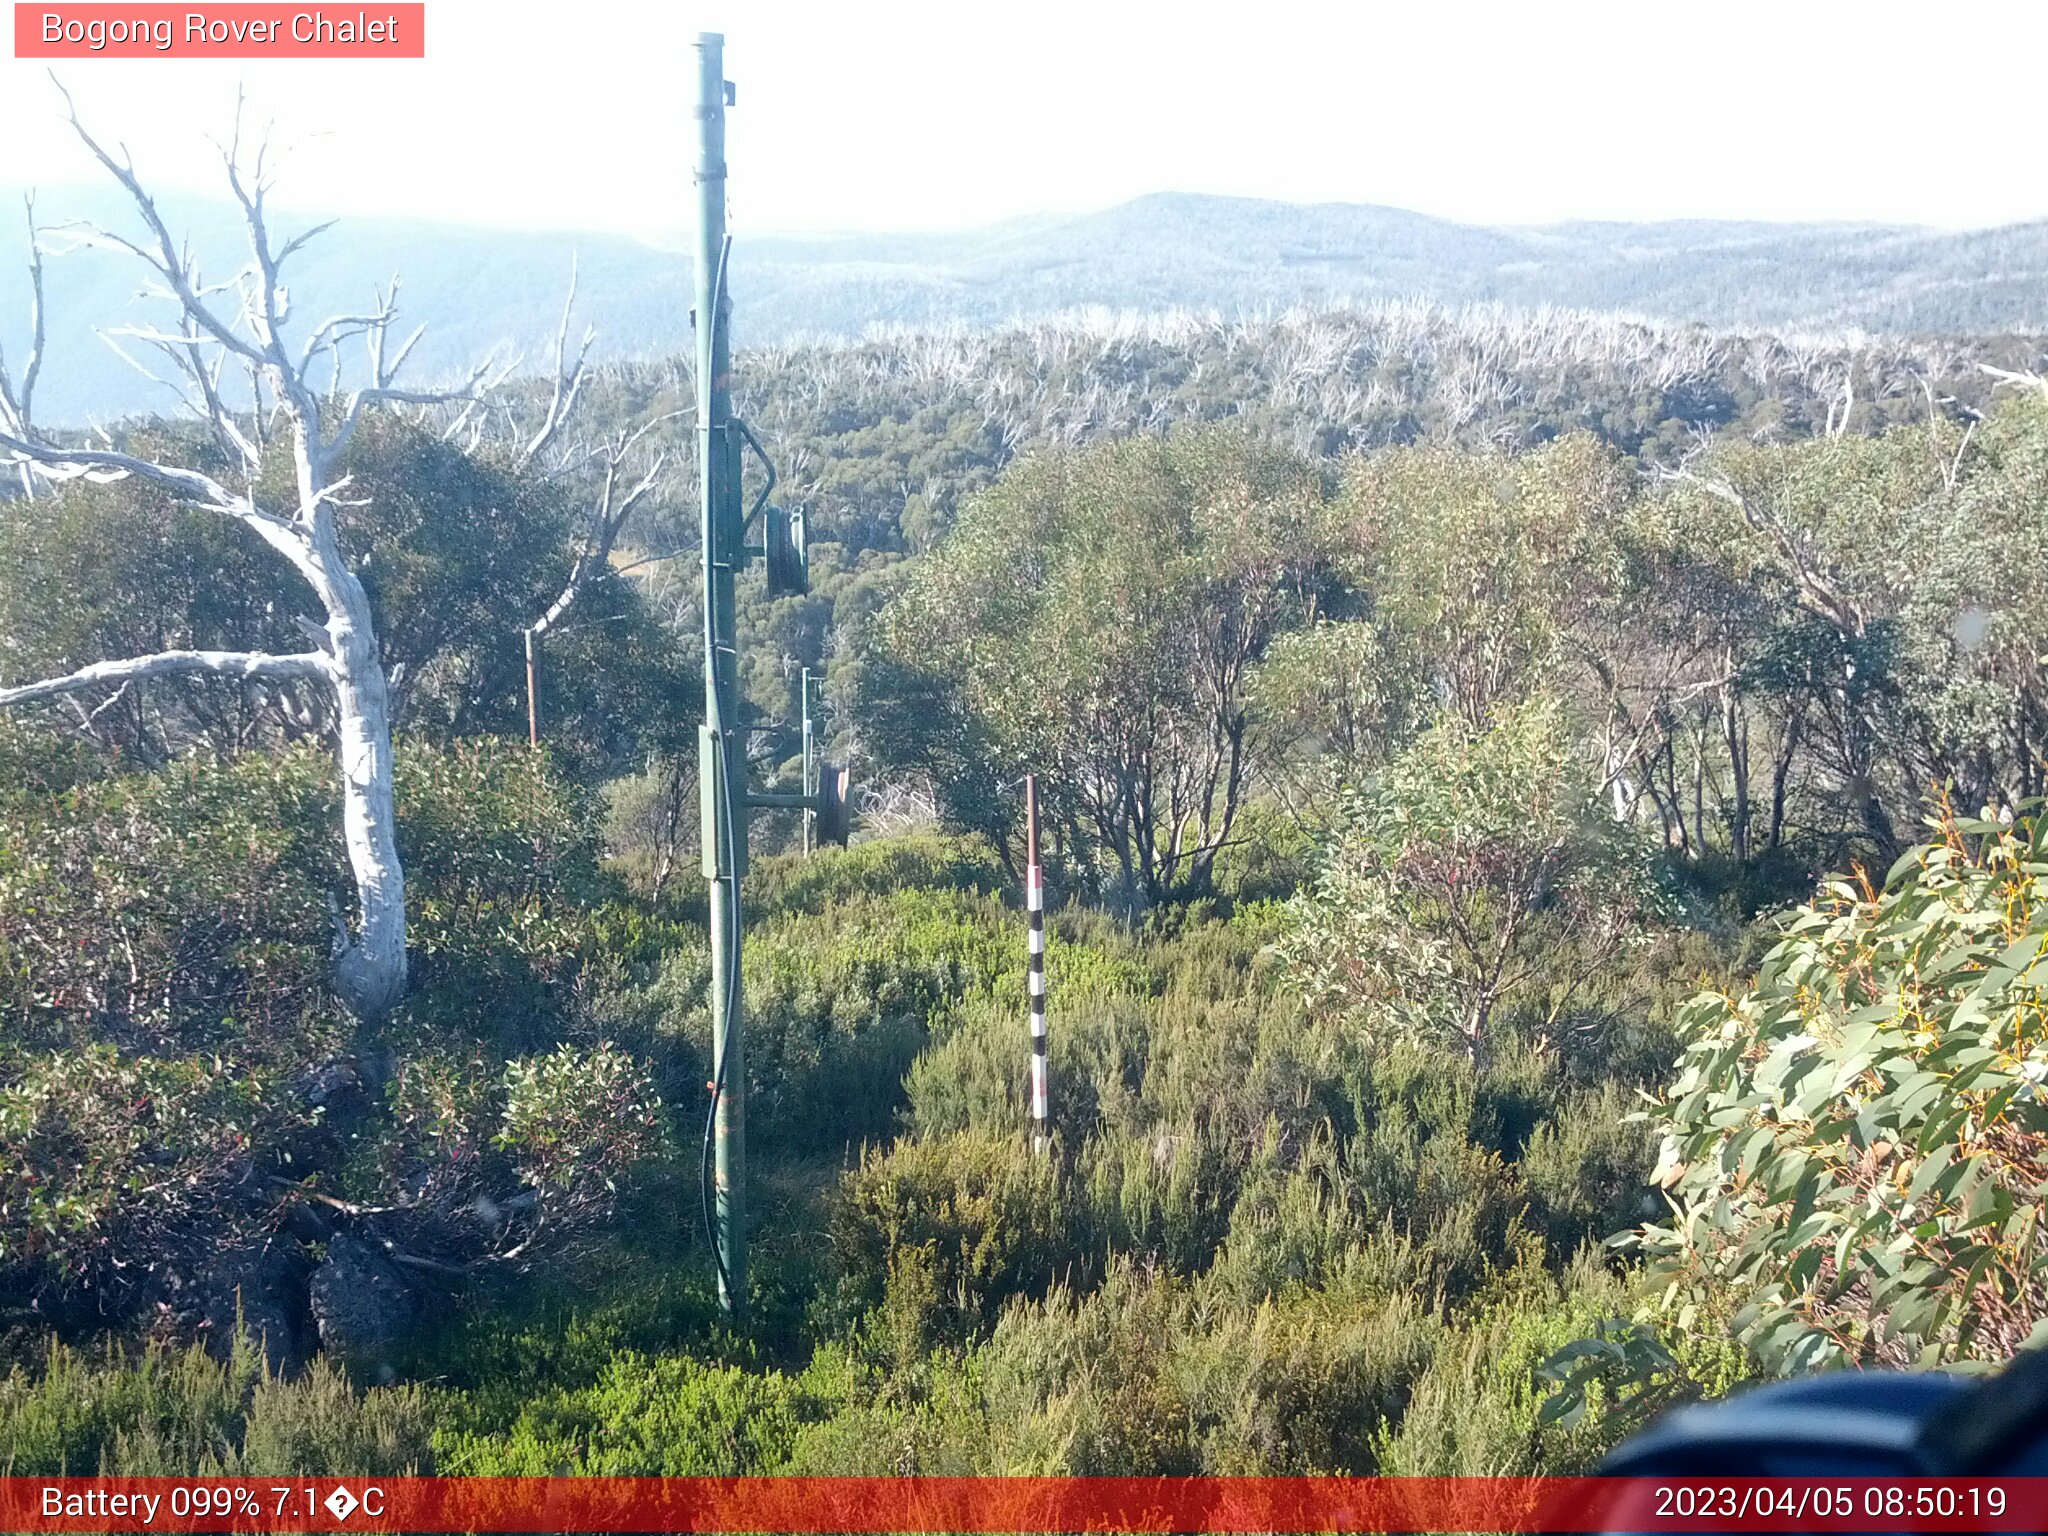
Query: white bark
point(370, 961)
point(16, 402)
point(608, 513)
point(533, 448)
point(569, 381)
point(1816, 582)
point(246, 664)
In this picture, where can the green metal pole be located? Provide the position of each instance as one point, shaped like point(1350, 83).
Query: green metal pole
point(721, 744)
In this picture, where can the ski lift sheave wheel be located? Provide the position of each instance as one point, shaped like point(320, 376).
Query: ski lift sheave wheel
point(787, 546)
point(835, 809)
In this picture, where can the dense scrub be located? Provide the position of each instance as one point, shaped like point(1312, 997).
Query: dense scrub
point(177, 1081)
point(1259, 1239)
point(1409, 815)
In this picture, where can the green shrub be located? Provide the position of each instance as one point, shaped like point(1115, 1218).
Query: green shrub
point(789, 884)
point(977, 1073)
point(175, 1056)
point(1299, 1385)
point(839, 1003)
point(1853, 1147)
point(501, 871)
point(1291, 1227)
point(664, 1417)
point(939, 1233)
point(1587, 1170)
point(1150, 1374)
point(974, 1076)
point(578, 1125)
point(1083, 1384)
point(320, 1425)
point(164, 1412)
point(1478, 1410)
point(106, 1159)
point(184, 908)
point(1446, 899)
point(1162, 1194)
point(931, 1420)
point(650, 826)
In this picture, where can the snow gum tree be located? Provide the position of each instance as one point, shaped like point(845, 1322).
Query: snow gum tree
point(226, 344)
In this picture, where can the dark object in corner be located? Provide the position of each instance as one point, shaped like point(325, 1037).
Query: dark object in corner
point(363, 1306)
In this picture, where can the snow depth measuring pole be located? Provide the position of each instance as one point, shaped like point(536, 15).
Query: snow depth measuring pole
point(1034, 902)
point(723, 797)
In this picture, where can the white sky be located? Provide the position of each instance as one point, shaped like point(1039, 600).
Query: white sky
point(884, 114)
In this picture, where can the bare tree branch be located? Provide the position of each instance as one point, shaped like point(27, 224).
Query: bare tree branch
point(302, 239)
point(568, 381)
point(17, 401)
point(2024, 378)
point(191, 486)
point(608, 515)
point(1816, 590)
point(336, 329)
point(167, 261)
point(240, 664)
point(370, 396)
point(647, 560)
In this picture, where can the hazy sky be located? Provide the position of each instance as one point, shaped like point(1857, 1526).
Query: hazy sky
point(877, 115)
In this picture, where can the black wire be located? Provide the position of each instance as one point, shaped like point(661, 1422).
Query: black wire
point(721, 1042)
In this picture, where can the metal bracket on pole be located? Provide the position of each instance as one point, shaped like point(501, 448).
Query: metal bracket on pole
point(831, 804)
point(719, 851)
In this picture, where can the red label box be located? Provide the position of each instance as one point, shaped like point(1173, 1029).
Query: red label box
point(376, 30)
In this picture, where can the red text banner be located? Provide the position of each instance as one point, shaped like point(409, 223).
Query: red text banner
point(224, 31)
point(1022, 1504)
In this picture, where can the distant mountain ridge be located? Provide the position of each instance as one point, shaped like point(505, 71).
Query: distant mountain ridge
point(477, 289)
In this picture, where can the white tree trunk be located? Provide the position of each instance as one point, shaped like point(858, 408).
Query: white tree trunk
point(370, 962)
point(370, 971)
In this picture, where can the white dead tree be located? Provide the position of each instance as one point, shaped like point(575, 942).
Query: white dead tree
point(610, 506)
point(18, 400)
point(625, 474)
point(241, 322)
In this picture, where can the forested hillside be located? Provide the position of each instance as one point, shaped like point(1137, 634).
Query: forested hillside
point(1238, 254)
point(1543, 824)
point(1235, 257)
point(885, 440)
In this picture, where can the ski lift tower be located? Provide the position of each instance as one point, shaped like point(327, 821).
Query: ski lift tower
point(723, 795)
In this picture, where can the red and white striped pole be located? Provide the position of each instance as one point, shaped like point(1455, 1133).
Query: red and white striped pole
point(1034, 902)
